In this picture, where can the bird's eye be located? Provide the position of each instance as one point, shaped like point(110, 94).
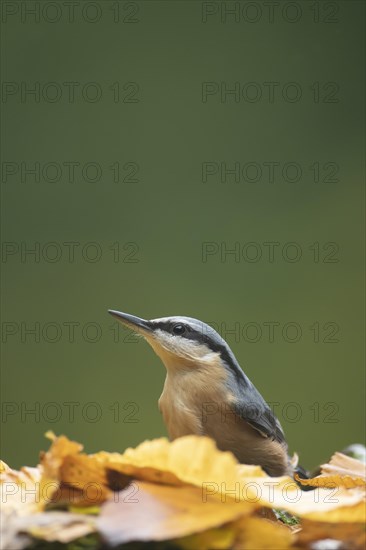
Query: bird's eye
point(179, 329)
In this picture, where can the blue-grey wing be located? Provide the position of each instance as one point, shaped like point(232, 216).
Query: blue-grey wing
point(251, 407)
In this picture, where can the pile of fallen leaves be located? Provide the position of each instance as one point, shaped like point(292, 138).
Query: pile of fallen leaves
point(184, 494)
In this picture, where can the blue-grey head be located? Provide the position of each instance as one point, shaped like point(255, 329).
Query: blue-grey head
point(181, 341)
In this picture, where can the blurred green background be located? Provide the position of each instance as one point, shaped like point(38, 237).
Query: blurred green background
point(139, 71)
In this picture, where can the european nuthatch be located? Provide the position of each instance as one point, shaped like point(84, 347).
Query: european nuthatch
point(207, 393)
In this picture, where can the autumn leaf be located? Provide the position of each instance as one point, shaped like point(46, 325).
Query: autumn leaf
point(19, 499)
point(51, 462)
point(162, 512)
point(187, 460)
point(72, 477)
point(341, 471)
point(58, 526)
point(213, 471)
point(60, 448)
point(19, 489)
point(328, 504)
point(186, 492)
point(345, 465)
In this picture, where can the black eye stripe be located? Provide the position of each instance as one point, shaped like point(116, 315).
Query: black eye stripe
point(191, 334)
point(173, 328)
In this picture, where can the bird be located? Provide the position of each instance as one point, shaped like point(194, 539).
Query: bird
point(207, 393)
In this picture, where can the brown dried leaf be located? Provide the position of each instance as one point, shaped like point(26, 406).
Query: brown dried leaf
point(86, 474)
point(71, 477)
point(60, 448)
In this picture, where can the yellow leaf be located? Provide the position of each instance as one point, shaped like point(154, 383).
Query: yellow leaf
point(247, 470)
point(333, 481)
point(190, 459)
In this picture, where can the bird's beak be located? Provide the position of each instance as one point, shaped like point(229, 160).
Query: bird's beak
point(135, 323)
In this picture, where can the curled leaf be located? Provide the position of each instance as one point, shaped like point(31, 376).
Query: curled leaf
point(341, 471)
